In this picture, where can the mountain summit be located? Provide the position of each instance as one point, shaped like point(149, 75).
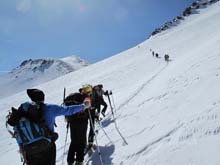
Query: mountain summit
point(36, 71)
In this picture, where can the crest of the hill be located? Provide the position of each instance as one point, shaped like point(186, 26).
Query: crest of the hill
point(33, 72)
point(193, 9)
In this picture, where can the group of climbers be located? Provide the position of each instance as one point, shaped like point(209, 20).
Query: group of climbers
point(79, 122)
point(79, 108)
point(166, 56)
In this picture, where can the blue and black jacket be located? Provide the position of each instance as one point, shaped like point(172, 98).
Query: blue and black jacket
point(51, 111)
point(29, 132)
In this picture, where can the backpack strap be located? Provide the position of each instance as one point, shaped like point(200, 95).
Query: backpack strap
point(13, 134)
point(23, 137)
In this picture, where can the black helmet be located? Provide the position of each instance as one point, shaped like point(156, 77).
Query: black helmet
point(100, 86)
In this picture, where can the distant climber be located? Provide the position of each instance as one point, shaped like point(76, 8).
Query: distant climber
point(166, 57)
point(153, 53)
point(99, 101)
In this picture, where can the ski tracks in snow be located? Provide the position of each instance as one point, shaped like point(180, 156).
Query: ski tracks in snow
point(141, 88)
point(154, 145)
point(202, 125)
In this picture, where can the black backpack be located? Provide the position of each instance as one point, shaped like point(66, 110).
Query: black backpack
point(97, 95)
point(76, 99)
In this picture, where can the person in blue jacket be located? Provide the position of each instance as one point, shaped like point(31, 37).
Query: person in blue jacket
point(49, 113)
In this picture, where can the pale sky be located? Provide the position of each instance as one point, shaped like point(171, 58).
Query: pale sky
point(93, 30)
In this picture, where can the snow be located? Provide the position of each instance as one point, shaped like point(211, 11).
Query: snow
point(34, 72)
point(75, 61)
point(168, 113)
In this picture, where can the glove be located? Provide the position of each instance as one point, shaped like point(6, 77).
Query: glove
point(87, 104)
point(106, 92)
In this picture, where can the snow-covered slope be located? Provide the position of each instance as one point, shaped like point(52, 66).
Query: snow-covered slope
point(167, 112)
point(34, 72)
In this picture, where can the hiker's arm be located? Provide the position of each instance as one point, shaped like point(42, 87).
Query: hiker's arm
point(66, 110)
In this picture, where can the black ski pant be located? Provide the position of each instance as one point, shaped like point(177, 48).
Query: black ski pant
point(103, 103)
point(78, 142)
point(46, 157)
point(92, 126)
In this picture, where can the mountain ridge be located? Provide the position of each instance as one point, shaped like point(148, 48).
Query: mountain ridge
point(192, 9)
point(32, 72)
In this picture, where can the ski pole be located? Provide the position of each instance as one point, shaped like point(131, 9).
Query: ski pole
point(116, 127)
point(64, 150)
point(93, 129)
point(113, 101)
point(122, 137)
point(105, 132)
point(67, 127)
point(23, 156)
point(111, 106)
point(64, 95)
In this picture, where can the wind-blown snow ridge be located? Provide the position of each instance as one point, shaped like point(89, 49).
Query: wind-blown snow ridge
point(193, 9)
